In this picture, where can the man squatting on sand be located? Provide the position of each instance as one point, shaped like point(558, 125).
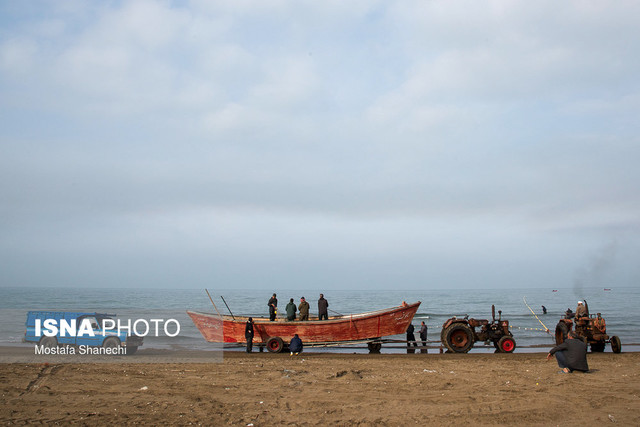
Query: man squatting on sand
point(571, 354)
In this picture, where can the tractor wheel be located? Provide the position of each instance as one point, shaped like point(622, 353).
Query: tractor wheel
point(561, 332)
point(507, 344)
point(616, 346)
point(458, 338)
point(275, 345)
point(597, 347)
point(48, 342)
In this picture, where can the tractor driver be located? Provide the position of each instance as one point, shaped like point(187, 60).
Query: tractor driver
point(600, 324)
point(581, 311)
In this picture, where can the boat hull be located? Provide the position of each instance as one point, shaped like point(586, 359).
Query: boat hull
point(362, 326)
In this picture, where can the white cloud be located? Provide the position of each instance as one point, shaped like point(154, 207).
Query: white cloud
point(366, 126)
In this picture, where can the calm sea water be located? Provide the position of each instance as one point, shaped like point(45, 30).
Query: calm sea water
point(615, 305)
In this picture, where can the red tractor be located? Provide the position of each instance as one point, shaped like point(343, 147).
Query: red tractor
point(459, 335)
point(590, 328)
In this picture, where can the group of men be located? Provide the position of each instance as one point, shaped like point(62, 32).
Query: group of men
point(411, 339)
point(302, 309)
point(571, 355)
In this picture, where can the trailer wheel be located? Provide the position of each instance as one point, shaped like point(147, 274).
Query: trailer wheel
point(507, 344)
point(275, 345)
point(458, 338)
point(48, 342)
point(374, 348)
point(616, 346)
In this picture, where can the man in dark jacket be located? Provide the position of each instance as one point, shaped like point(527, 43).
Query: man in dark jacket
point(303, 308)
point(571, 354)
point(411, 339)
point(273, 307)
point(248, 334)
point(323, 306)
point(291, 310)
point(423, 337)
point(295, 346)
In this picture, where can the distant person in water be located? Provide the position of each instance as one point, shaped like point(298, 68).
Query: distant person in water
point(303, 308)
point(295, 346)
point(273, 307)
point(248, 334)
point(544, 310)
point(291, 310)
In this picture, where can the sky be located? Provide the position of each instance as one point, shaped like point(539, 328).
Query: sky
point(320, 144)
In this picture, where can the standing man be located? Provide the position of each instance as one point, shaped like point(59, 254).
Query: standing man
point(581, 311)
point(303, 308)
point(291, 310)
point(423, 337)
point(323, 305)
point(571, 354)
point(411, 339)
point(273, 307)
point(248, 334)
point(544, 310)
point(600, 324)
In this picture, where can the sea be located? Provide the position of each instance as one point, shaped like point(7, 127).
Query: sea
point(522, 307)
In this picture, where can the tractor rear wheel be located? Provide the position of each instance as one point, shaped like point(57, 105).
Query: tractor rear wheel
point(275, 345)
point(597, 347)
point(616, 346)
point(506, 344)
point(458, 338)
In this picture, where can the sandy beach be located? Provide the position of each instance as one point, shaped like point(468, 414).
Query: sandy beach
point(314, 389)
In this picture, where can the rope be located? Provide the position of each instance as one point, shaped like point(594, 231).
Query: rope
point(535, 315)
point(528, 329)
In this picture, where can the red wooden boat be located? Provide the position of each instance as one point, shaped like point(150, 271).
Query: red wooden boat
point(353, 327)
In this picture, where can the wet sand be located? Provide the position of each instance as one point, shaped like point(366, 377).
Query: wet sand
point(325, 389)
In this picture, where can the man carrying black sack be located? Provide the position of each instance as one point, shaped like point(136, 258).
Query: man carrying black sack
point(571, 354)
point(248, 334)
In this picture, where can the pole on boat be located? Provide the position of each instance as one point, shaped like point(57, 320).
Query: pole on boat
point(214, 305)
point(225, 303)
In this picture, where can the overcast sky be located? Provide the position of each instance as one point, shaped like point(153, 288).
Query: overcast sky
point(320, 144)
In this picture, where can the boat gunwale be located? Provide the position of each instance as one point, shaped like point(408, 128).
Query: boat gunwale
point(334, 319)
